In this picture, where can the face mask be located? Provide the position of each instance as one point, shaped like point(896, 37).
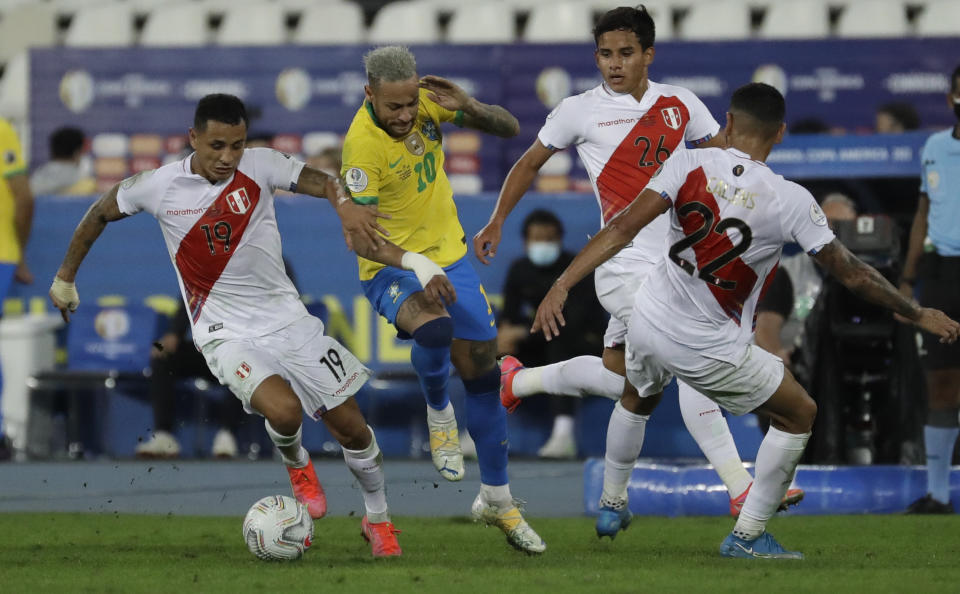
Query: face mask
point(543, 253)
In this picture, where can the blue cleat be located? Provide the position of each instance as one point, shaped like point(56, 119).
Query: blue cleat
point(610, 521)
point(763, 547)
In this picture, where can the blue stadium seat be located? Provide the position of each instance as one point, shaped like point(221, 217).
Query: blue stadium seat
point(108, 353)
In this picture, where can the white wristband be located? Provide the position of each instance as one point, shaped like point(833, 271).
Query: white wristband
point(65, 293)
point(422, 266)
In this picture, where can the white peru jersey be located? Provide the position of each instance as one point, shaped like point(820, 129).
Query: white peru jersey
point(729, 219)
point(622, 142)
point(224, 242)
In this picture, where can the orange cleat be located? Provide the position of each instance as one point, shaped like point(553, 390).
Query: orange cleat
point(793, 497)
point(382, 538)
point(307, 490)
point(509, 366)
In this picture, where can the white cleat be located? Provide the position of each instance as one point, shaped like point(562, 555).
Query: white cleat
point(445, 449)
point(508, 519)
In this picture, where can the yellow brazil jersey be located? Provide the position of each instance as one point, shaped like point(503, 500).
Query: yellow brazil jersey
point(404, 177)
point(11, 163)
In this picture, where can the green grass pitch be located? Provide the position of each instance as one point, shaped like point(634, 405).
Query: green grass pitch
point(58, 552)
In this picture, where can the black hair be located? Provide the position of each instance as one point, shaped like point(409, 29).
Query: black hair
point(65, 142)
point(761, 102)
point(905, 113)
point(541, 217)
point(220, 107)
point(954, 79)
point(627, 18)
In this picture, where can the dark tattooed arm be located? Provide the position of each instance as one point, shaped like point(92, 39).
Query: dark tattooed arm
point(864, 280)
point(104, 210)
point(491, 119)
point(361, 231)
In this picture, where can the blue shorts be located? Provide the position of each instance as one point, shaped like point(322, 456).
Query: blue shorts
point(472, 315)
point(6, 280)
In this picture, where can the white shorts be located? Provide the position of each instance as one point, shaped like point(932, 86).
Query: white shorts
point(617, 281)
point(321, 371)
point(653, 359)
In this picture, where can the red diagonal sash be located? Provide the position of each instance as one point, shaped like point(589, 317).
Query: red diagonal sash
point(207, 248)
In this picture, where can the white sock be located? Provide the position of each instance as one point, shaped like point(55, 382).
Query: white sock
point(441, 416)
point(290, 446)
point(367, 466)
point(624, 439)
point(709, 428)
point(776, 464)
point(498, 495)
point(580, 376)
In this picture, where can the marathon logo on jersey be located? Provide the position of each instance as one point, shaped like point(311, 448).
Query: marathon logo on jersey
point(238, 201)
point(672, 117)
point(243, 372)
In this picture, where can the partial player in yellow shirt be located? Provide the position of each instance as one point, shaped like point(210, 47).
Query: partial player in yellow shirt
point(16, 216)
point(393, 157)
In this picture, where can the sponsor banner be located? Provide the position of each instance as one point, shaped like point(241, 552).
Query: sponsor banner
point(849, 156)
point(141, 100)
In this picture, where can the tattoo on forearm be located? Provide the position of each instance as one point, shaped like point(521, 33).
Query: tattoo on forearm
point(863, 280)
point(495, 120)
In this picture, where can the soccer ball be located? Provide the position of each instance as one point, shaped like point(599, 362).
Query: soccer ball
point(278, 528)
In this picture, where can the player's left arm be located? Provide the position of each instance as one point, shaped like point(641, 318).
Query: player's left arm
point(865, 282)
point(604, 245)
point(492, 119)
point(23, 221)
point(361, 230)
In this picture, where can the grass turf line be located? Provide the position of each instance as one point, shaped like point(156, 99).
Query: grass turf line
point(136, 553)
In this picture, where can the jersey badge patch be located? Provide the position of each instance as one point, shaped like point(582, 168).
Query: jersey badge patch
point(243, 371)
point(672, 117)
point(933, 180)
point(415, 144)
point(356, 179)
point(738, 170)
point(816, 215)
point(238, 201)
point(429, 129)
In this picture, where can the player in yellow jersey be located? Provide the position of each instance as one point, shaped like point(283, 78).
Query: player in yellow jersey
point(393, 158)
point(16, 215)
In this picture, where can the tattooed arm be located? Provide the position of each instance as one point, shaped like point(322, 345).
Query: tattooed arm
point(867, 283)
point(63, 291)
point(104, 210)
point(491, 119)
point(359, 222)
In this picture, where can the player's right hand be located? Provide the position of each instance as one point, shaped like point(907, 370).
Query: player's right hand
point(440, 290)
point(64, 297)
point(360, 224)
point(549, 318)
point(937, 322)
point(485, 242)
